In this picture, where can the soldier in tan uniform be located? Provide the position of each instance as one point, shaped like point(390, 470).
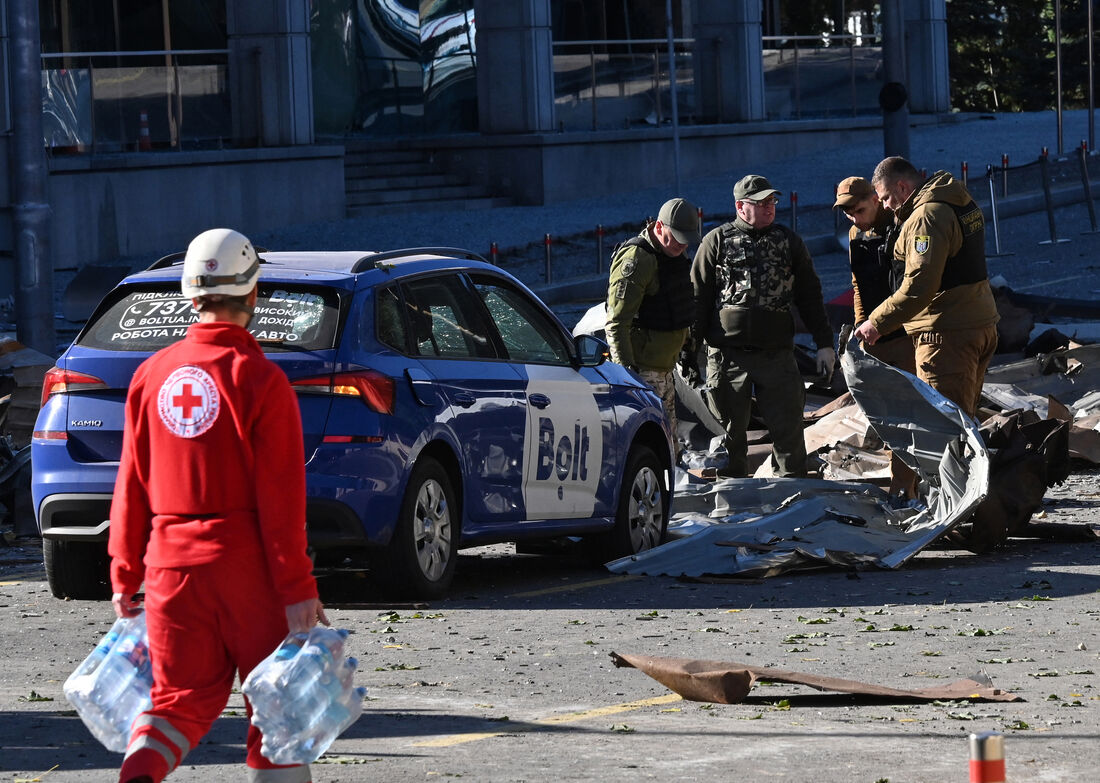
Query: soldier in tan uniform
point(944, 301)
point(747, 274)
point(650, 302)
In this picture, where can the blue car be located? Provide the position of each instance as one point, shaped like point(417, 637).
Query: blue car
point(443, 406)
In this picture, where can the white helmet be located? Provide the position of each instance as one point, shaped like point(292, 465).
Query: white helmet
point(219, 261)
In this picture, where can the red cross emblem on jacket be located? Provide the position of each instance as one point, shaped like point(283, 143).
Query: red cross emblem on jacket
point(188, 402)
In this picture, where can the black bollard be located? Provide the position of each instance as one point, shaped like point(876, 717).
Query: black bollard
point(1044, 169)
point(1083, 162)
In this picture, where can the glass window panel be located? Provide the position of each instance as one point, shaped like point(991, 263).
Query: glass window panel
point(445, 319)
point(529, 335)
point(389, 325)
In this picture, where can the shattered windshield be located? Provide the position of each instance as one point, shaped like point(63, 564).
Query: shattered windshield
point(148, 318)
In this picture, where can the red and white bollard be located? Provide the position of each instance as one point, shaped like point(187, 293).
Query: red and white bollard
point(144, 142)
point(493, 253)
point(987, 758)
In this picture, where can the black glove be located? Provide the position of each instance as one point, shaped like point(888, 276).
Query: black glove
point(688, 365)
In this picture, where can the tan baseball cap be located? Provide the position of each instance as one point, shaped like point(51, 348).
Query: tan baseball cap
point(851, 191)
point(681, 218)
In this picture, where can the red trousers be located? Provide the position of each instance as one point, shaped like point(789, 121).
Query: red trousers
point(207, 623)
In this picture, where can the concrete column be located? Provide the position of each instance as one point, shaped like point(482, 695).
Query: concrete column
point(926, 55)
point(270, 77)
point(5, 113)
point(728, 60)
point(515, 66)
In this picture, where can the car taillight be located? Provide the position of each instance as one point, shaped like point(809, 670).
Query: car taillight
point(57, 381)
point(374, 389)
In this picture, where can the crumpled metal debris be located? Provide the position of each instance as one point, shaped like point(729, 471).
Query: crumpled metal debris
point(729, 683)
point(760, 527)
point(1061, 384)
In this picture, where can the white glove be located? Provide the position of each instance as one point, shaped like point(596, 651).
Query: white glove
point(826, 362)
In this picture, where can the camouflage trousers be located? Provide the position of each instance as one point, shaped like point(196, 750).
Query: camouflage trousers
point(663, 384)
point(734, 377)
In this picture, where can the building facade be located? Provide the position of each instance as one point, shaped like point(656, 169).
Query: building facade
point(160, 119)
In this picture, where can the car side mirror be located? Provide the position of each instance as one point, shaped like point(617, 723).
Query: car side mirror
point(591, 351)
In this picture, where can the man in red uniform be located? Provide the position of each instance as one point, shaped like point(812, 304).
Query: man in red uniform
point(209, 511)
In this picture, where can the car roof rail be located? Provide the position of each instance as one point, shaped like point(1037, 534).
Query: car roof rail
point(371, 261)
point(167, 260)
point(172, 258)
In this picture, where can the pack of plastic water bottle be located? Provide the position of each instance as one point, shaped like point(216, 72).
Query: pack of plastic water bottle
point(112, 685)
point(302, 695)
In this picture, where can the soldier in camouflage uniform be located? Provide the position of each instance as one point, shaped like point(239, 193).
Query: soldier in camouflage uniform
point(747, 274)
point(650, 300)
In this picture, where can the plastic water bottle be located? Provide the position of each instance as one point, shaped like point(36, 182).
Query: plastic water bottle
point(322, 649)
point(127, 654)
point(112, 685)
point(99, 652)
point(265, 679)
point(339, 715)
point(307, 746)
point(302, 701)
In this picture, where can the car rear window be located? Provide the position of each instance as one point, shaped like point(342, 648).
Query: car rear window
point(148, 318)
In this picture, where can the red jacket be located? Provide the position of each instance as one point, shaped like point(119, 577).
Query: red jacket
point(212, 464)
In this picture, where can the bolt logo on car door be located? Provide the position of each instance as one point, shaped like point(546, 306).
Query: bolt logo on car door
point(566, 458)
point(563, 447)
point(188, 402)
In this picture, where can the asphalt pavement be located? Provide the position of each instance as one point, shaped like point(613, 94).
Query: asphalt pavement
point(510, 679)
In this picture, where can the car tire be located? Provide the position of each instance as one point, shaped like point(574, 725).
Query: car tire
point(641, 519)
point(420, 559)
point(77, 569)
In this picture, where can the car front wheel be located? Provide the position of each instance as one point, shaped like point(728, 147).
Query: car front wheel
point(420, 559)
point(642, 516)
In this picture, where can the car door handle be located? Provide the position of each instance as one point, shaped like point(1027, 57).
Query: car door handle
point(463, 399)
point(539, 400)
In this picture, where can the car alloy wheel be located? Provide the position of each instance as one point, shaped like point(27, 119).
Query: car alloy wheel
point(432, 530)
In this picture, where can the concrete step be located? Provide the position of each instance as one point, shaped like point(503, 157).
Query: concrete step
point(366, 184)
point(415, 195)
point(380, 181)
point(356, 169)
point(429, 205)
point(370, 155)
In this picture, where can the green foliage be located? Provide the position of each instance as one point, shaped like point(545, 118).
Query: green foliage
point(1002, 55)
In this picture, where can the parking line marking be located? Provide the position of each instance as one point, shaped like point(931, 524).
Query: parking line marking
point(611, 580)
point(599, 712)
point(456, 739)
point(572, 717)
point(1050, 282)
